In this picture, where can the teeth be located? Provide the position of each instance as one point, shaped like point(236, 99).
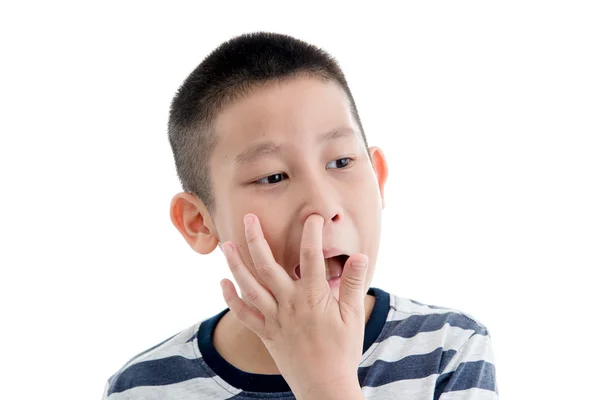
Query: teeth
point(328, 275)
point(336, 276)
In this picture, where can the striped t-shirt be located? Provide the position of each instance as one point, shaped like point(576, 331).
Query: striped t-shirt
point(411, 351)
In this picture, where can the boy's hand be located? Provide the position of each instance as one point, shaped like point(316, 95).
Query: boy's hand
point(315, 340)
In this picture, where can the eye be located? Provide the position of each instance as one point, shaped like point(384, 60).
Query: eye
point(271, 179)
point(340, 163)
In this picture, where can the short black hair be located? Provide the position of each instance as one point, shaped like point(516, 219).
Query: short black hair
point(228, 72)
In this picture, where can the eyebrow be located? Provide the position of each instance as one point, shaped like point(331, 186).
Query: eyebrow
point(256, 151)
point(335, 134)
point(268, 148)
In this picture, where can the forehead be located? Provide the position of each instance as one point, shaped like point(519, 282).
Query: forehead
point(298, 111)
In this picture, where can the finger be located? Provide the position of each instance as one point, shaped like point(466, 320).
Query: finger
point(312, 264)
point(352, 288)
point(273, 275)
point(251, 318)
point(250, 288)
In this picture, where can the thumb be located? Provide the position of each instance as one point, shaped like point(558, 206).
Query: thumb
point(352, 287)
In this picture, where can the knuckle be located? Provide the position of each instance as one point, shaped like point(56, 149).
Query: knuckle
point(236, 266)
point(252, 294)
point(290, 307)
point(349, 309)
point(310, 252)
point(268, 337)
point(252, 238)
point(263, 269)
point(241, 313)
point(315, 298)
point(228, 301)
point(312, 301)
point(273, 317)
point(353, 283)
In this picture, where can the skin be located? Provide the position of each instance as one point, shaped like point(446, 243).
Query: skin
point(313, 189)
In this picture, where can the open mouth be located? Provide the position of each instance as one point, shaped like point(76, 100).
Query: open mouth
point(333, 266)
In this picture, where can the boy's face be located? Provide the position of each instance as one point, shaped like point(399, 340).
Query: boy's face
point(286, 151)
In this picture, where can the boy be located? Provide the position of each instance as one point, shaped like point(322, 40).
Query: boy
point(276, 171)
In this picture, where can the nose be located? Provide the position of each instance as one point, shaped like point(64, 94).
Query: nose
point(318, 197)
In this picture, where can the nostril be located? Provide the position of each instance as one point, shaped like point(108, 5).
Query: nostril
point(336, 218)
point(297, 271)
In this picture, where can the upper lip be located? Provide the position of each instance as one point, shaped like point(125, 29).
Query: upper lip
point(332, 252)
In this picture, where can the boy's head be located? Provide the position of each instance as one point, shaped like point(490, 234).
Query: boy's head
point(267, 124)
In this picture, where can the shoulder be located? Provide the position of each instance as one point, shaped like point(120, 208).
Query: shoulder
point(463, 343)
point(430, 349)
point(429, 335)
point(170, 361)
point(413, 317)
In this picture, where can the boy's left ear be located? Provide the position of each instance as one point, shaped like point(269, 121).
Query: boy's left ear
point(381, 170)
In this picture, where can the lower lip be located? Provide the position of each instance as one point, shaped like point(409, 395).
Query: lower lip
point(333, 282)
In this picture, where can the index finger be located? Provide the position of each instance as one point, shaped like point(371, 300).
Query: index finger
point(312, 264)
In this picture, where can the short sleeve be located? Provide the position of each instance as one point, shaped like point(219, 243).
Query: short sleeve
point(470, 373)
point(105, 393)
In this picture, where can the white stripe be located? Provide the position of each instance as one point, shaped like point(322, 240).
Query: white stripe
point(413, 389)
point(405, 308)
point(477, 348)
point(396, 348)
point(186, 350)
point(404, 305)
point(199, 388)
point(176, 346)
point(470, 394)
point(105, 393)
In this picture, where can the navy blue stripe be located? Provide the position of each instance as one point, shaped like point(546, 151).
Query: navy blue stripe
point(165, 371)
point(141, 354)
point(410, 367)
point(445, 360)
point(415, 324)
point(440, 385)
point(468, 375)
point(192, 338)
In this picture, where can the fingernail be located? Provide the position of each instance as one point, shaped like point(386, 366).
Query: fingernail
point(248, 219)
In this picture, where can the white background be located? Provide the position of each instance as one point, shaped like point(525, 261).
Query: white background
point(488, 113)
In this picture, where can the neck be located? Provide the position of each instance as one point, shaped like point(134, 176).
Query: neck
point(240, 347)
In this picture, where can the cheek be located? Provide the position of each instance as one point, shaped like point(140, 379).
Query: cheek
point(274, 231)
point(367, 214)
point(230, 214)
point(366, 203)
